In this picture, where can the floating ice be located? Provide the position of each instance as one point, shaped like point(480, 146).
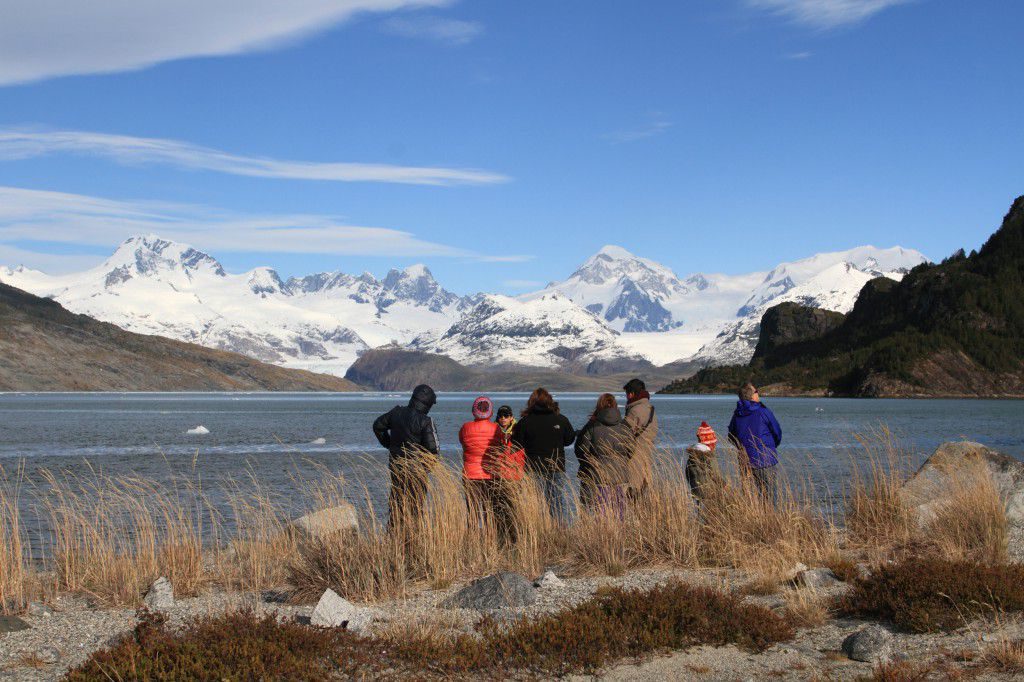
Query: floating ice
point(318, 441)
point(198, 431)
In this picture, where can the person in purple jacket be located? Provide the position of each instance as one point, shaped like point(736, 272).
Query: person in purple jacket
point(756, 431)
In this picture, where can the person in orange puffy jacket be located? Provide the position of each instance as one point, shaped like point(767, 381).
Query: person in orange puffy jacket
point(480, 439)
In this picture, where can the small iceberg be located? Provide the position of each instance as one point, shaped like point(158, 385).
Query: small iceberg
point(318, 441)
point(198, 431)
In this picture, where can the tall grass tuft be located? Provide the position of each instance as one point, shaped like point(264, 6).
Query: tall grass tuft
point(16, 579)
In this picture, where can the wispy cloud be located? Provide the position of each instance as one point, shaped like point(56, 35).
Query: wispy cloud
point(825, 14)
point(656, 125)
point(21, 144)
point(799, 55)
point(438, 29)
point(48, 38)
point(33, 215)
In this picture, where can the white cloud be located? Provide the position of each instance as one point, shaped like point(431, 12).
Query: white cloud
point(657, 125)
point(447, 31)
point(21, 144)
point(799, 55)
point(64, 218)
point(825, 13)
point(47, 38)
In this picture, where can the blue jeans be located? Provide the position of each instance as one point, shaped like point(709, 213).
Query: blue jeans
point(555, 486)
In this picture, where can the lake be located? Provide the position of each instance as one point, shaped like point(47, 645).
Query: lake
point(280, 439)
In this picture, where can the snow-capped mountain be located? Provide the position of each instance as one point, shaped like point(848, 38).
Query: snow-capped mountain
point(616, 306)
point(545, 331)
point(320, 322)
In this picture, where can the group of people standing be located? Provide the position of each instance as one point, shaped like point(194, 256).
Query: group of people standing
point(614, 449)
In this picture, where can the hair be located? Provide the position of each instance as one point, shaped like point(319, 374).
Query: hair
point(540, 398)
point(746, 391)
point(503, 411)
point(604, 402)
point(634, 386)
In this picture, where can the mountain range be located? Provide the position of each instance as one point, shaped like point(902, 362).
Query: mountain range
point(615, 313)
point(950, 329)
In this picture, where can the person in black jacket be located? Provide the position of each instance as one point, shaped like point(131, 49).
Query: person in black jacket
point(544, 433)
point(411, 439)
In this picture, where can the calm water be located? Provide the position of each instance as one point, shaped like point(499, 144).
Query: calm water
point(276, 437)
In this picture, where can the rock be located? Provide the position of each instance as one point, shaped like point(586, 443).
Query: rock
point(327, 521)
point(549, 579)
point(160, 595)
point(333, 611)
point(12, 624)
point(817, 578)
point(48, 655)
point(959, 460)
point(39, 609)
point(873, 644)
point(499, 591)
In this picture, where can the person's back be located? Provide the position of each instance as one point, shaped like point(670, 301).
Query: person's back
point(643, 420)
point(544, 434)
point(604, 448)
point(756, 432)
point(407, 429)
point(481, 439)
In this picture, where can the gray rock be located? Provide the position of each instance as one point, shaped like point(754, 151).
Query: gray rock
point(48, 655)
point(873, 644)
point(12, 624)
point(930, 486)
point(498, 591)
point(817, 578)
point(334, 611)
point(39, 609)
point(549, 579)
point(327, 521)
point(160, 595)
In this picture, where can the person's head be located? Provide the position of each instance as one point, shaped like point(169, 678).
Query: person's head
point(504, 416)
point(540, 398)
point(749, 392)
point(634, 388)
point(606, 401)
point(482, 408)
point(423, 397)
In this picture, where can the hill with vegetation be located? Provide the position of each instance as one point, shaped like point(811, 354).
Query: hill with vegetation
point(44, 347)
point(953, 329)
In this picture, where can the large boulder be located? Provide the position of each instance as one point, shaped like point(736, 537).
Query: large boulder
point(955, 462)
point(334, 611)
point(873, 644)
point(325, 522)
point(498, 591)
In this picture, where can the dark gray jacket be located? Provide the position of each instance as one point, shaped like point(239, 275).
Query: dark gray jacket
point(604, 448)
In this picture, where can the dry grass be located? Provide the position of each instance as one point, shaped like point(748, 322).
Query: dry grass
point(877, 517)
point(16, 579)
point(970, 524)
point(806, 608)
point(1004, 656)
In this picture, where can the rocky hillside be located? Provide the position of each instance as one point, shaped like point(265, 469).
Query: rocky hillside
point(951, 329)
point(43, 347)
point(397, 369)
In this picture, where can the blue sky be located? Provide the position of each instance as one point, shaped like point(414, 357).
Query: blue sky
point(502, 143)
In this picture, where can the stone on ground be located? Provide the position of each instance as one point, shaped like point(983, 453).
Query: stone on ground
point(48, 655)
point(321, 523)
point(334, 611)
point(160, 595)
point(957, 462)
point(873, 644)
point(12, 624)
point(498, 591)
point(549, 579)
point(817, 578)
point(39, 609)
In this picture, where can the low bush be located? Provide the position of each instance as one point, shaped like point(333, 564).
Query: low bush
point(618, 624)
point(930, 594)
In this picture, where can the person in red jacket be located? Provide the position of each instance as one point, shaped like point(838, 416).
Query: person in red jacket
point(481, 439)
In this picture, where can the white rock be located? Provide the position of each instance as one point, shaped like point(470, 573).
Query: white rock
point(333, 611)
point(327, 521)
point(198, 431)
point(549, 579)
point(160, 595)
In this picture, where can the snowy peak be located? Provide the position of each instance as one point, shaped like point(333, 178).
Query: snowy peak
point(416, 285)
point(151, 256)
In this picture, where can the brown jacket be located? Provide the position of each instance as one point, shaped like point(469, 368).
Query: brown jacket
point(642, 419)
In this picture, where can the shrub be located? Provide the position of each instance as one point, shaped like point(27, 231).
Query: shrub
point(584, 638)
point(930, 594)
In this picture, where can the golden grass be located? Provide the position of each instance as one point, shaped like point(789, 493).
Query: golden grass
point(110, 537)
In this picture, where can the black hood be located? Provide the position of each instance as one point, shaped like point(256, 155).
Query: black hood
point(609, 416)
point(423, 398)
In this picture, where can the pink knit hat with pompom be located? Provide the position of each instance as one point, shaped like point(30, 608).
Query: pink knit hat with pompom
point(483, 407)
